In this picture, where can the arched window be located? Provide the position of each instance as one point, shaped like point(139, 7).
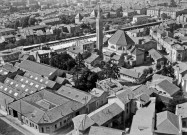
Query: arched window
point(113, 47)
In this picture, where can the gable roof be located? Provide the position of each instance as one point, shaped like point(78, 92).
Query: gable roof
point(125, 96)
point(167, 123)
point(170, 88)
point(105, 113)
point(136, 51)
point(129, 72)
point(38, 68)
point(75, 94)
point(91, 58)
point(120, 38)
point(155, 54)
point(105, 131)
point(82, 122)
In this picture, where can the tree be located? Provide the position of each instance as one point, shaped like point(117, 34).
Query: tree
point(79, 60)
point(31, 21)
point(164, 16)
point(145, 72)
point(158, 66)
point(111, 70)
point(150, 70)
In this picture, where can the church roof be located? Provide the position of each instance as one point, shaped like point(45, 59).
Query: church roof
point(120, 38)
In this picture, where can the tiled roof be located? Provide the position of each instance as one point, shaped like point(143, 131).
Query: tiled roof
point(91, 58)
point(3, 71)
point(125, 96)
point(75, 94)
point(105, 131)
point(29, 82)
point(137, 51)
point(38, 68)
point(12, 92)
point(129, 72)
point(40, 79)
point(142, 123)
point(19, 86)
point(170, 88)
point(82, 122)
point(45, 107)
point(105, 113)
point(120, 38)
point(10, 67)
point(155, 54)
point(167, 123)
point(161, 77)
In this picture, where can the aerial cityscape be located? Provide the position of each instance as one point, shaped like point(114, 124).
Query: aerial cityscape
point(93, 67)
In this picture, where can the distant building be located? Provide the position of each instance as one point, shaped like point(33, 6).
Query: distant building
point(137, 19)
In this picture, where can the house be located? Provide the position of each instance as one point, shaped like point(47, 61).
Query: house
point(41, 69)
point(12, 56)
point(181, 111)
point(157, 77)
point(45, 111)
point(143, 120)
point(89, 62)
point(74, 51)
point(92, 102)
point(105, 116)
point(7, 31)
point(129, 13)
point(94, 130)
point(138, 19)
point(154, 11)
point(129, 74)
point(109, 85)
point(137, 56)
point(101, 95)
point(157, 57)
point(78, 18)
point(167, 123)
point(124, 99)
point(180, 75)
point(167, 88)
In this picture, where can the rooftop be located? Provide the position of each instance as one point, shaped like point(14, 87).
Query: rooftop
point(167, 123)
point(146, 116)
point(75, 94)
point(38, 68)
point(105, 131)
point(168, 87)
point(105, 113)
point(129, 72)
point(45, 107)
point(120, 38)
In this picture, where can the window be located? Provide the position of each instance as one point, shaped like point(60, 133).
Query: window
point(26, 81)
point(22, 85)
point(36, 127)
point(47, 128)
point(1, 87)
point(77, 113)
point(36, 85)
point(31, 83)
point(60, 123)
point(16, 85)
point(5, 89)
point(31, 76)
point(26, 90)
point(41, 80)
point(184, 123)
point(36, 78)
point(64, 121)
point(7, 81)
point(55, 126)
point(10, 91)
point(11, 83)
point(46, 82)
point(21, 79)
